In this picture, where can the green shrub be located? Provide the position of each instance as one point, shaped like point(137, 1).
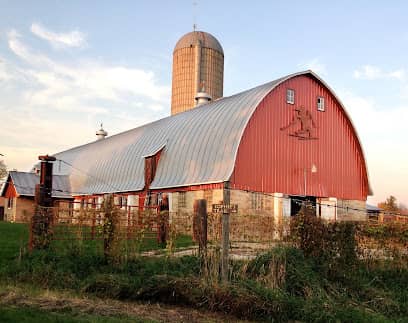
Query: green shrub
point(332, 245)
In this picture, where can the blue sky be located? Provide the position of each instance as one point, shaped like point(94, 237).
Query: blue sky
point(66, 66)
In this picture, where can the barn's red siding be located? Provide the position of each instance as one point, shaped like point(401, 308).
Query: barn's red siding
point(269, 160)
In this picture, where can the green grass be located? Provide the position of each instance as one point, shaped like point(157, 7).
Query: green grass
point(310, 290)
point(13, 238)
point(130, 247)
point(11, 314)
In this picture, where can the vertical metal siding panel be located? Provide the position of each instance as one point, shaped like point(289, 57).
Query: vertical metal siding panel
point(269, 160)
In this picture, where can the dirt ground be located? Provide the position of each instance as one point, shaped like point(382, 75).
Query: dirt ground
point(59, 302)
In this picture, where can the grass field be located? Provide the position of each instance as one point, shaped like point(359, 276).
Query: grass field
point(12, 314)
point(281, 285)
point(14, 245)
point(13, 239)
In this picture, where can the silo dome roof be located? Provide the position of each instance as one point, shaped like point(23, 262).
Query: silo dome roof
point(207, 40)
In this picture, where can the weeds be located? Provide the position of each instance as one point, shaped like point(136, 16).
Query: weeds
point(279, 285)
point(283, 284)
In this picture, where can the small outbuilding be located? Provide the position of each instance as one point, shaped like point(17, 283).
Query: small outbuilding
point(19, 192)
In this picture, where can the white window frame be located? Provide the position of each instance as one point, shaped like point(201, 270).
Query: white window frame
point(290, 96)
point(321, 104)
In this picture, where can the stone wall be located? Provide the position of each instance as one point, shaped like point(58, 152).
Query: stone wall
point(351, 210)
point(255, 220)
point(252, 203)
point(183, 202)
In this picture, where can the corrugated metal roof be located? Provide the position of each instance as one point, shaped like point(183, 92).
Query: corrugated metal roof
point(199, 146)
point(25, 183)
point(373, 208)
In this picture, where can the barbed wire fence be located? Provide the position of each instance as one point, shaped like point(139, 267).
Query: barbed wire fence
point(147, 230)
point(150, 232)
point(387, 215)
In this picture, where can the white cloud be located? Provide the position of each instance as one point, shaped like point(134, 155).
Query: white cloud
point(315, 65)
point(73, 38)
point(156, 107)
point(371, 72)
point(398, 74)
point(4, 74)
point(48, 106)
point(368, 72)
point(19, 49)
point(87, 80)
point(382, 131)
point(14, 44)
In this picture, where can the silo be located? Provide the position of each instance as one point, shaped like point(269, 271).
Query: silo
point(198, 64)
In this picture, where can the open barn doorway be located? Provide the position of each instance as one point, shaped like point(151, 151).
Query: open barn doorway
point(296, 202)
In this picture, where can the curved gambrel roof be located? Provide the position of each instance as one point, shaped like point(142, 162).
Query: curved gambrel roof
point(198, 146)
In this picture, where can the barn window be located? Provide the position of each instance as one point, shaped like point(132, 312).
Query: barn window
point(290, 96)
point(122, 201)
point(257, 201)
point(320, 103)
point(10, 203)
point(181, 200)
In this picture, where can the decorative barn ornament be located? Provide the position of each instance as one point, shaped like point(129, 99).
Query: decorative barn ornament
point(302, 124)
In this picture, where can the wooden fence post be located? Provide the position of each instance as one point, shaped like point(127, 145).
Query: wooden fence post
point(200, 208)
point(225, 244)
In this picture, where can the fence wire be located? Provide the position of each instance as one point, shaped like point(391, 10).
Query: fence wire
point(151, 231)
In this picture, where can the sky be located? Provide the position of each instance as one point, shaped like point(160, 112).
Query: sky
point(67, 66)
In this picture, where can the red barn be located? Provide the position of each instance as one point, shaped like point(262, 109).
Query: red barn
point(269, 147)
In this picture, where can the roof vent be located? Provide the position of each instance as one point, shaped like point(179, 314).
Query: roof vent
point(101, 134)
point(202, 97)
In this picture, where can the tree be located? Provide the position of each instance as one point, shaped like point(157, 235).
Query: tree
point(3, 169)
point(403, 209)
point(390, 204)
